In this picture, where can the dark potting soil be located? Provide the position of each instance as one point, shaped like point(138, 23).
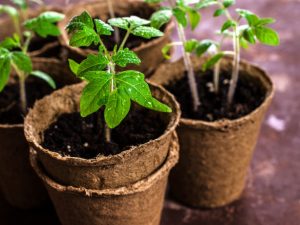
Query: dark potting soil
point(249, 95)
point(10, 109)
point(37, 43)
point(72, 135)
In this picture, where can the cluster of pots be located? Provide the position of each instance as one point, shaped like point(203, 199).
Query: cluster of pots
point(127, 188)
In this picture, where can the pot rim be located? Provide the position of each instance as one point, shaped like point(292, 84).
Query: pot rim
point(102, 160)
point(64, 37)
point(137, 187)
point(228, 123)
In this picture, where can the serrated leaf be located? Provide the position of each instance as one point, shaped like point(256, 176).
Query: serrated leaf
point(44, 25)
point(160, 18)
point(166, 51)
point(96, 93)
point(147, 32)
point(73, 66)
point(117, 108)
point(267, 36)
point(251, 18)
point(84, 38)
point(180, 16)
point(119, 22)
point(205, 4)
point(228, 3)
point(203, 47)
point(79, 22)
point(134, 84)
point(10, 43)
point(265, 21)
point(4, 71)
point(92, 63)
point(212, 61)
point(44, 77)
point(135, 21)
point(21, 61)
point(126, 56)
point(228, 24)
point(249, 35)
point(219, 12)
point(103, 28)
point(190, 45)
point(194, 18)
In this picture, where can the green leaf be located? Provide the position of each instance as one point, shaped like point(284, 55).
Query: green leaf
point(96, 93)
point(205, 3)
point(251, 18)
point(154, 1)
point(125, 56)
point(44, 25)
point(267, 36)
point(84, 38)
point(103, 28)
point(82, 31)
point(194, 18)
point(44, 77)
point(203, 46)
point(117, 108)
point(11, 11)
point(92, 63)
point(135, 21)
point(161, 17)
point(228, 24)
point(134, 84)
point(265, 21)
point(73, 66)
point(228, 3)
point(219, 12)
point(190, 45)
point(166, 51)
point(147, 32)
point(244, 43)
point(119, 22)
point(212, 61)
point(180, 16)
point(10, 43)
point(4, 71)
point(249, 35)
point(21, 61)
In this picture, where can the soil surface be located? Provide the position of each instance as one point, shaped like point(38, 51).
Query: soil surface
point(249, 95)
point(37, 43)
point(72, 135)
point(10, 109)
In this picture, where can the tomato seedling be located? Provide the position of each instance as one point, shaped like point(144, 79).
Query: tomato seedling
point(105, 85)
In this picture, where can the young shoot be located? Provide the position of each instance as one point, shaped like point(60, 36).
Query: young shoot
point(184, 13)
point(255, 29)
point(14, 50)
point(105, 85)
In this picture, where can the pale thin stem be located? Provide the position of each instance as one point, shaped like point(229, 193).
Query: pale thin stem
point(190, 70)
point(125, 40)
point(217, 70)
point(23, 95)
point(235, 69)
point(27, 43)
point(113, 15)
point(16, 21)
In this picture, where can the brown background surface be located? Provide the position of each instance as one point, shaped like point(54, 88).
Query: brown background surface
point(272, 196)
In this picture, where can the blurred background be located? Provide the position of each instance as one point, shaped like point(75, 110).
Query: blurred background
point(272, 196)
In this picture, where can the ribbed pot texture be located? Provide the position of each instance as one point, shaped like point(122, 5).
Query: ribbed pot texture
point(215, 156)
point(102, 172)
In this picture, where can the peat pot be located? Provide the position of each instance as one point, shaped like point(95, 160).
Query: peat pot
point(215, 156)
point(139, 203)
point(148, 51)
point(102, 172)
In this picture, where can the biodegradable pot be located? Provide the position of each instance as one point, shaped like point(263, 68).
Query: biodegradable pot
point(215, 156)
point(149, 52)
point(19, 184)
point(140, 203)
point(102, 172)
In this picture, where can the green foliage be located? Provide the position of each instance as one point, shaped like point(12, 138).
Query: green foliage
point(212, 61)
point(44, 25)
point(105, 86)
point(160, 18)
point(11, 11)
point(47, 78)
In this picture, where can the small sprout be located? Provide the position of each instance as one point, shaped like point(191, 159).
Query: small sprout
point(106, 86)
point(14, 50)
